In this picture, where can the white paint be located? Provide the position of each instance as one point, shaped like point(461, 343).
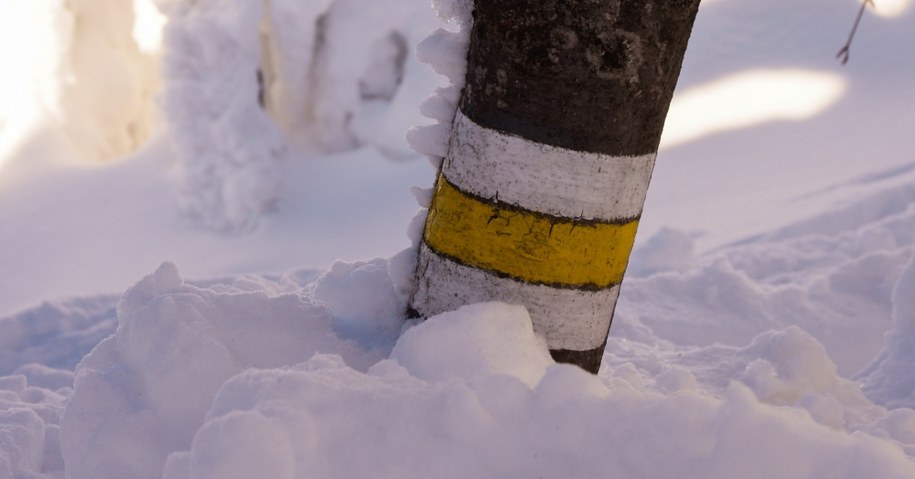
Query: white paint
point(749, 98)
point(545, 178)
point(567, 318)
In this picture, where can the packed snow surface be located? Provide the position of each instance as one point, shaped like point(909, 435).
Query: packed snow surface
point(209, 236)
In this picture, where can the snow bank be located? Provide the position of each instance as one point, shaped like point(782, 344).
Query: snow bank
point(730, 363)
point(151, 383)
point(323, 419)
point(833, 274)
point(263, 377)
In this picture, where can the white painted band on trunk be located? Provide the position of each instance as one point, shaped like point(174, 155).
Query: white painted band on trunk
point(568, 318)
point(544, 178)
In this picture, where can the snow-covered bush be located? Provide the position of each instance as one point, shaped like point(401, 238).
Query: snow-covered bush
point(249, 83)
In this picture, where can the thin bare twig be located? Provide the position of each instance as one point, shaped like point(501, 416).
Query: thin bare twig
point(843, 53)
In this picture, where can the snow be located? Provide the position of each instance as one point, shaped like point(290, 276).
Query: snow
point(155, 378)
point(764, 328)
point(762, 96)
point(889, 376)
point(500, 336)
point(892, 8)
point(227, 146)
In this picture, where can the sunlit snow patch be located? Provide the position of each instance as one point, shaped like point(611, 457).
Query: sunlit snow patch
point(890, 8)
point(749, 98)
point(33, 37)
point(147, 26)
point(69, 60)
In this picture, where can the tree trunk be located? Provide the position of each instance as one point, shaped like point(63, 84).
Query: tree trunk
point(552, 148)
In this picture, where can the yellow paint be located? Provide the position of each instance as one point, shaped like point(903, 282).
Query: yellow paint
point(525, 245)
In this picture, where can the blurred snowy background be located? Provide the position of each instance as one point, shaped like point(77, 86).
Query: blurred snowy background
point(766, 326)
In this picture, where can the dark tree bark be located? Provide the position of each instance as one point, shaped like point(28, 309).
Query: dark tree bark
point(589, 75)
point(552, 148)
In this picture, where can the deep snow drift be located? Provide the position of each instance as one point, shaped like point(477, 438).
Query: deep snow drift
point(765, 327)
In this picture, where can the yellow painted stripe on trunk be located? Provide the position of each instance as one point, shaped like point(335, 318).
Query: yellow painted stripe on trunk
point(526, 245)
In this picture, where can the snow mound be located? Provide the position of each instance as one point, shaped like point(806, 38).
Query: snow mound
point(499, 335)
point(258, 377)
point(143, 392)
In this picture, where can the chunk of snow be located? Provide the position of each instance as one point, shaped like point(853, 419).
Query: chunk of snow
point(476, 340)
